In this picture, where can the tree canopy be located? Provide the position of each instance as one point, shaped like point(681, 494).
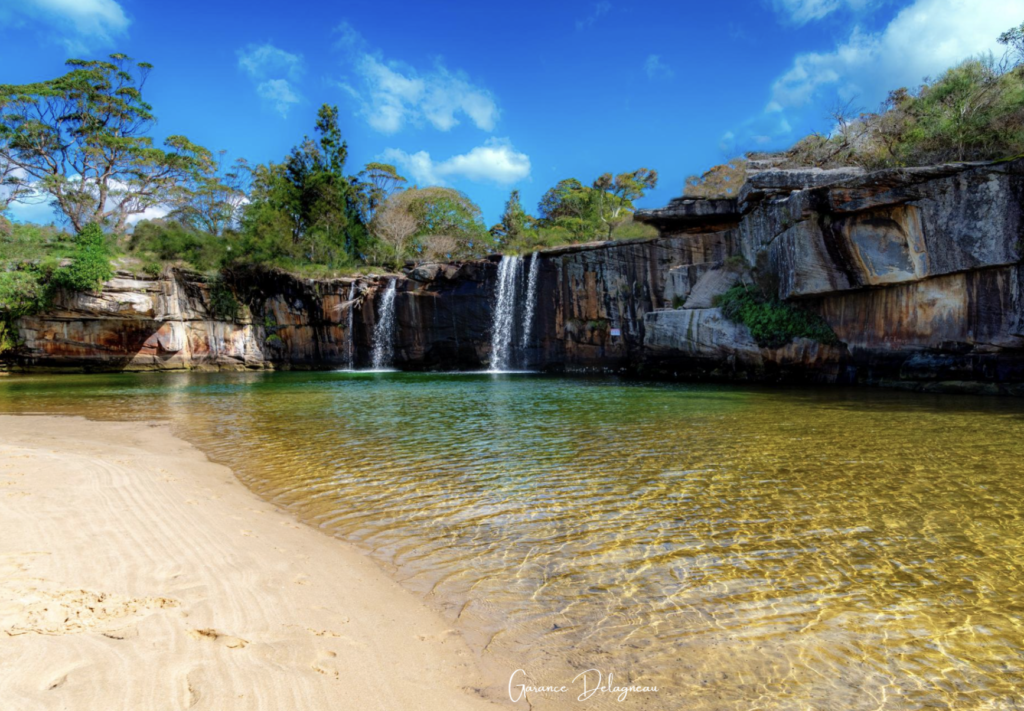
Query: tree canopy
point(81, 139)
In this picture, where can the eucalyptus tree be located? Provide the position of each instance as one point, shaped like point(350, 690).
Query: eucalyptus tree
point(211, 200)
point(81, 139)
point(1013, 38)
point(379, 181)
point(616, 195)
point(394, 225)
point(444, 211)
point(12, 186)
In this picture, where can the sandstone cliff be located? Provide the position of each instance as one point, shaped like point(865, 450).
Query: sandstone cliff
point(917, 271)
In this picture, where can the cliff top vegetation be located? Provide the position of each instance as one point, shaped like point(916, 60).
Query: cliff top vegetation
point(80, 143)
point(973, 111)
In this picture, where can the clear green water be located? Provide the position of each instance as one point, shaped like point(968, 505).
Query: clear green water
point(737, 548)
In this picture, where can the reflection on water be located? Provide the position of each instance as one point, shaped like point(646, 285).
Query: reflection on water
point(737, 548)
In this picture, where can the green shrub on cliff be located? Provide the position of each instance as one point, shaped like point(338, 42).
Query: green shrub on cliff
point(172, 241)
point(772, 323)
point(90, 262)
point(27, 285)
point(23, 291)
point(24, 243)
point(223, 304)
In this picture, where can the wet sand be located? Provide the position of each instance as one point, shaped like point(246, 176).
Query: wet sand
point(135, 574)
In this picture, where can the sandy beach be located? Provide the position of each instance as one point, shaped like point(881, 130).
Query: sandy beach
point(135, 574)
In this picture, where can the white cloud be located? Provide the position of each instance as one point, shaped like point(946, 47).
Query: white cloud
point(801, 12)
point(33, 207)
point(37, 206)
point(497, 161)
point(261, 61)
point(392, 95)
point(656, 69)
point(274, 71)
point(600, 9)
point(922, 40)
point(154, 212)
point(82, 21)
point(727, 143)
point(279, 93)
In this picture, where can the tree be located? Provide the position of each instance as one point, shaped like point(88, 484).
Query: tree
point(569, 205)
point(719, 182)
point(514, 220)
point(437, 248)
point(1014, 40)
point(310, 193)
point(210, 201)
point(893, 123)
point(616, 196)
point(444, 211)
point(81, 139)
point(379, 181)
point(394, 225)
point(12, 186)
point(957, 111)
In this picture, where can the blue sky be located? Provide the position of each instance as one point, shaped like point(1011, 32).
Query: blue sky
point(487, 97)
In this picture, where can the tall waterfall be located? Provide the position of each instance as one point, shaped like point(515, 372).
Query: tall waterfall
point(503, 324)
point(531, 304)
point(350, 346)
point(384, 330)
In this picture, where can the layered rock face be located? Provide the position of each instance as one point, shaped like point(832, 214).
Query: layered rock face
point(168, 323)
point(917, 271)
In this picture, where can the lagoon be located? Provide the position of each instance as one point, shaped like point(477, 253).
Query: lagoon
point(728, 545)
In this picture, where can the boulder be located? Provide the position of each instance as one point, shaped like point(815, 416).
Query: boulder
point(712, 283)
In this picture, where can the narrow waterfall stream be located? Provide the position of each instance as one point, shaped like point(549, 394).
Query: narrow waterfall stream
point(529, 308)
point(350, 346)
point(384, 330)
point(503, 324)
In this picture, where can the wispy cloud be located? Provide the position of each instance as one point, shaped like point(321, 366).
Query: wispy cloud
point(923, 39)
point(392, 95)
point(600, 9)
point(800, 12)
point(80, 24)
point(656, 69)
point(497, 161)
point(274, 72)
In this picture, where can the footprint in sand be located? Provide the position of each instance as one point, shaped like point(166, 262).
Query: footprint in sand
point(226, 640)
point(327, 664)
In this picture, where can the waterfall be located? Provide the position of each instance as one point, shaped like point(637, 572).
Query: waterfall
point(350, 346)
point(531, 304)
point(503, 324)
point(384, 330)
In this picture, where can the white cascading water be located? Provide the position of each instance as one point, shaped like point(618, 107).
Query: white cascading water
point(350, 347)
point(384, 330)
point(530, 306)
point(503, 324)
